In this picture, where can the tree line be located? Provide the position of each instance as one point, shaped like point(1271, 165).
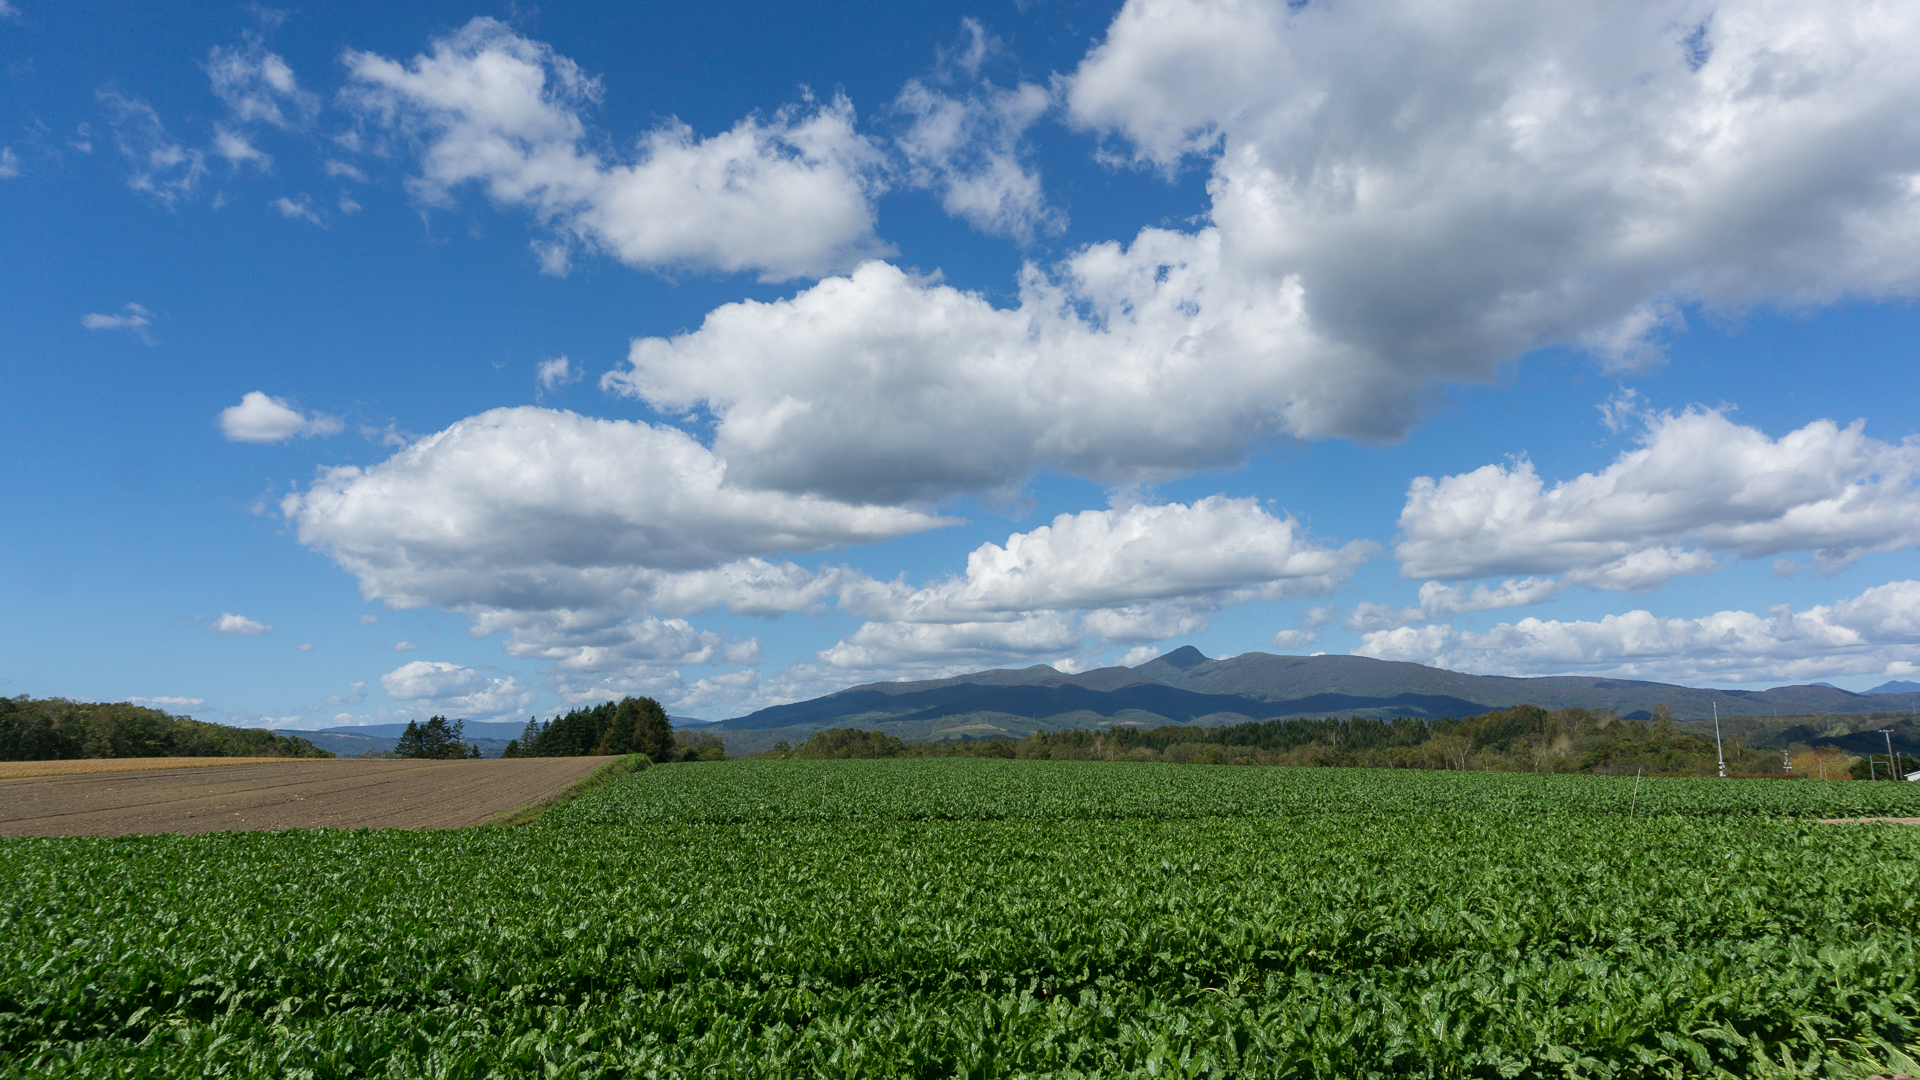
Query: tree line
point(56, 729)
point(434, 739)
point(1524, 738)
point(632, 725)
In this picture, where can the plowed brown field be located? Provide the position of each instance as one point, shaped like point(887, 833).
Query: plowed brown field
point(341, 794)
point(9, 769)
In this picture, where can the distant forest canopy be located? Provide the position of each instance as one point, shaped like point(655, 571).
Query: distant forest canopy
point(1524, 738)
point(629, 726)
point(55, 729)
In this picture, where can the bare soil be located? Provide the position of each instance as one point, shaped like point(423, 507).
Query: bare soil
point(1864, 820)
point(10, 769)
point(283, 794)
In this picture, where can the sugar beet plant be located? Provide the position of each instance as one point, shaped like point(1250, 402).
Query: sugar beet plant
point(993, 918)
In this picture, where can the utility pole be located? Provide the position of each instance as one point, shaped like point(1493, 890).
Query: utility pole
point(1786, 761)
point(1892, 763)
point(1717, 747)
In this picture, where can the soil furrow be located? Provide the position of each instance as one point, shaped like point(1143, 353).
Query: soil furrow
point(337, 794)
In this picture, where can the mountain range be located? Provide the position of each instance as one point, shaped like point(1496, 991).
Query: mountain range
point(1187, 687)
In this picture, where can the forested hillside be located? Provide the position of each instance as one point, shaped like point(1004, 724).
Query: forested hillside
point(1525, 738)
point(55, 729)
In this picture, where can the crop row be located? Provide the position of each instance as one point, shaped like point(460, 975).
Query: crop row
point(1459, 932)
point(987, 789)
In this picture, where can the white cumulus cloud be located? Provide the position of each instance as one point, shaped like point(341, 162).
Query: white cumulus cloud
point(239, 626)
point(591, 652)
point(538, 507)
point(1138, 573)
point(439, 687)
point(1874, 633)
point(954, 647)
point(573, 535)
point(1112, 559)
point(1697, 484)
point(557, 372)
point(1137, 363)
point(782, 196)
point(262, 419)
point(1402, 197)
point(1465, 182)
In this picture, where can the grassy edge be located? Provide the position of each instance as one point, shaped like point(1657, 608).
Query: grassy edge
point(593, 781)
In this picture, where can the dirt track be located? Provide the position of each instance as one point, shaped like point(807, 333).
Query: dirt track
point(349, 794)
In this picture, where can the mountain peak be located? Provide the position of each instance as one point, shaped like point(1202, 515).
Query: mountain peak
point(1182, 658)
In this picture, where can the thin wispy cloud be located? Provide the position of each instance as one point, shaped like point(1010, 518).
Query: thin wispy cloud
point(131, 319)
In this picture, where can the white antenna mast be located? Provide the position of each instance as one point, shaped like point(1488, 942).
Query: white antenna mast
point(1718, 748)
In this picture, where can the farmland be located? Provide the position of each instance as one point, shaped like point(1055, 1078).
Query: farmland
point(10, 770)
point(988, 918)
point(275, 794)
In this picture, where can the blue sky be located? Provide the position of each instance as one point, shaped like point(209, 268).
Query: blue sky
point(363, 366)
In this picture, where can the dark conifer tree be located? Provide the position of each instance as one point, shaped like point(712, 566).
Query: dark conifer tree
point(434, 739)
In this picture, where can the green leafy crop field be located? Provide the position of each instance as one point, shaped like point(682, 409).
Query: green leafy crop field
point(942, 917)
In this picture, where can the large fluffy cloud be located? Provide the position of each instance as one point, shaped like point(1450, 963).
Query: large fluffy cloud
point(1139, 363)
point(1456, 183)
point(1100, 559)
point(1138, 573)
point(439, 687)
point(953, 647)
point(783, 196)
point(584, 541)
point(565, 532)
point(1696, 478)
point(549, 507)
point(1875, 633)
point(1403, 195)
